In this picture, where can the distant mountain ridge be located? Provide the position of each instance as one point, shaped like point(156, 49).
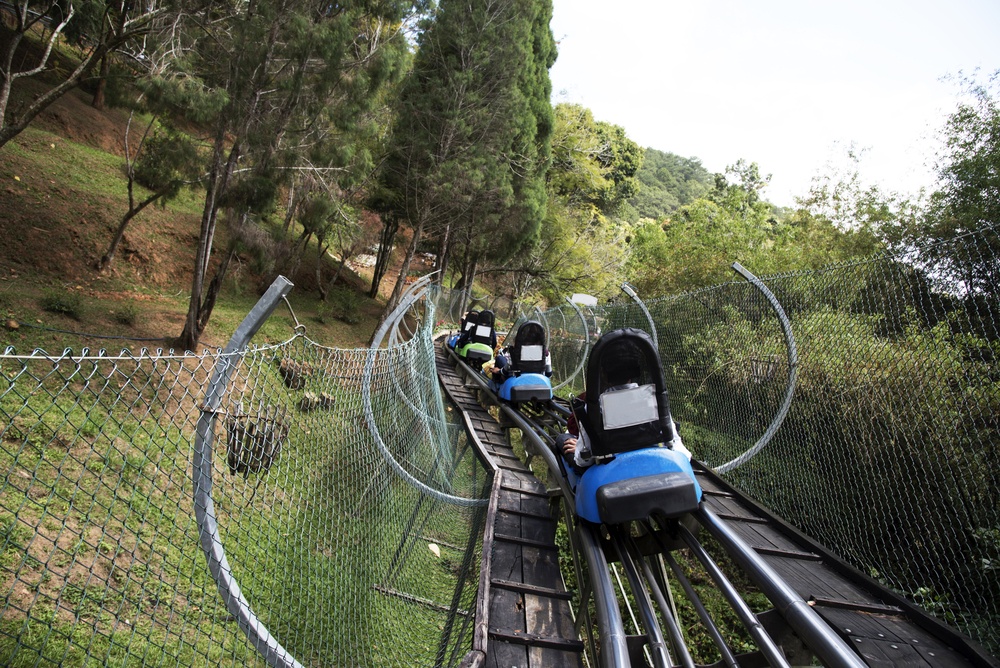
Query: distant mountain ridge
point(668, 183)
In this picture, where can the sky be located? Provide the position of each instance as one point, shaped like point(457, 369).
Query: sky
point(789, 84)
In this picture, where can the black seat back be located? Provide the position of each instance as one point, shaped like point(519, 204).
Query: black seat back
point(469, 320)
point(528, 352)
point(468, 325)
point(627, 406)
point(483, 330)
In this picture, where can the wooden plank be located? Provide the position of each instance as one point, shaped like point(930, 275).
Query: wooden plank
point(819, 580)
point(507, 562)
point(768, 537)
point(539, 567)
point(525, 542)
point(885, 640)
point(525, 505)
point(537, 590)
point(537, 640)
point(730, 507)
point(507, 611)
point(545, 657)
point(548, 617)
point(505, 654)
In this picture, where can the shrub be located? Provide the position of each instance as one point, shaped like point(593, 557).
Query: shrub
point(63, 302)
point(126, 314)
point(345, 304)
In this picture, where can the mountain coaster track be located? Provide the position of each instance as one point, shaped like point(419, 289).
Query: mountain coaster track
point(823, 609)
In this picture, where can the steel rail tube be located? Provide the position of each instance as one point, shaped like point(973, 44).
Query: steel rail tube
point(614, 641)
point(415, 292)
point(673, 627)
point(706, 619)
point(204, 505)
point(793, 364)
point(765, 643)
point(654, 634)
point(630, 291)
point(586, 345)
point(829, 647)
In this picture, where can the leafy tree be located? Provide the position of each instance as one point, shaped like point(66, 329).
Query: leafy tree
point(471, 143)
point(695, 246)
point(581, 246)
point(297, 85)
point(968, 199)
point(100, 29)
point(163, 162)
point(594, 163)
point(668, 182)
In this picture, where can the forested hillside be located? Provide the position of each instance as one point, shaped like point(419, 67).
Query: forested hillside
point(668, 182)
point(273, 138)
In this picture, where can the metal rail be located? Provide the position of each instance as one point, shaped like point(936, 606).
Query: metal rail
point(614, 651)
point(204, 505)
point(793, 363)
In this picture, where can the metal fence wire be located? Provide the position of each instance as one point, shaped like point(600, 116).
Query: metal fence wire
point(344, 560)
point(349, 507)
point(890, 453)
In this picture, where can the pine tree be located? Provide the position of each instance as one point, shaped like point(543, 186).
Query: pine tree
point(298, 83)
point(470, 147)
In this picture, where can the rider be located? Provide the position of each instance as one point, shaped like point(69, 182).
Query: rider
point(574, 444)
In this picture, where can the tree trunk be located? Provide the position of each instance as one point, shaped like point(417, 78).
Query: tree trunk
point(213, 292)
point(109, 255)
point(443, 251)
point(217, 182)
point(340, 270)
point(293, 204)
point(397, 291)
point(404, 270)
point(102, 83)
point(389, 229)
point(320, 252)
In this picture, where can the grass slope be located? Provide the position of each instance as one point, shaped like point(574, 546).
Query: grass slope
point(62, 193)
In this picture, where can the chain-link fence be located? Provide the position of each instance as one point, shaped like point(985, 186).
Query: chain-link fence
point(348, 509)
point(890, 453)
point(347, 506)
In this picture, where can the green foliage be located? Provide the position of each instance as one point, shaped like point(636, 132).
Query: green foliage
point(891, 420)
point(167, 160)
point(256, 193)
point(696, 245)
point(64, 302)
point(621, 159)
point(315, 214)
point(968, 199)
point(594, 163)
point(126, 314)
point(668, 182)
point(345, 304)
point(473, 126)
point(181, 93)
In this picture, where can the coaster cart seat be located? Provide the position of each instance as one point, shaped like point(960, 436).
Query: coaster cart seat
point(627, 419)
point(477, 348)
point(529, 366)
point(467, 324)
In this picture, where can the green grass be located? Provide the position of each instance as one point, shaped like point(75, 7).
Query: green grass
point(98, 537)
point(98, 546)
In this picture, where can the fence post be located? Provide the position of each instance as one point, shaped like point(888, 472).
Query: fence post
point(204, 506)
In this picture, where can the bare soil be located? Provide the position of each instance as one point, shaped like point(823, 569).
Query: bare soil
point(54, 227)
